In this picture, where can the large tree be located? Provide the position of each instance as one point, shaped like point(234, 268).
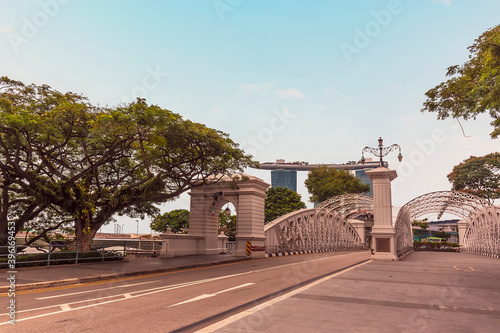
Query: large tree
point(280, 201)
point(479, 176)
point(474, 87)
point(177, 220)
point(92, 163)
point(324, 183)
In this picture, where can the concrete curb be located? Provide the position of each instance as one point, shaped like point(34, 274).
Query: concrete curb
point(108, 277)
point(283, 254)
point(491, 255)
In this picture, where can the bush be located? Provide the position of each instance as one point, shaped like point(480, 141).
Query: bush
point(435, 246)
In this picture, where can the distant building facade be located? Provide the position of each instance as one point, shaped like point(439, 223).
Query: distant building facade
point(361, 175)
point(448, 226)
point(284, 179)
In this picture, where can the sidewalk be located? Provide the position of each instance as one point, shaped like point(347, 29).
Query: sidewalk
point(58, 275)
point(426, 292)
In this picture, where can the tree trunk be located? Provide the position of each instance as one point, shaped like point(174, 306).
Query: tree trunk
point(84, 237)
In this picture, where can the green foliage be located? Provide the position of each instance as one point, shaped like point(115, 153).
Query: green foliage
point(280, 201)
point(474, 87)
point(422, 225)
point(58, 151)
point(442, 234)
point(323, 183)
point(479, 176)
point(227, 224)
point(176, 220)
point(419, 245)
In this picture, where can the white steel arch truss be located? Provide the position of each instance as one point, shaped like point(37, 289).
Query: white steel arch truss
point(349, 205)
point(482, 234)
point(325, 228)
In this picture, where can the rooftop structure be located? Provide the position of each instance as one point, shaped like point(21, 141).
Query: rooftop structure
point(305, 166)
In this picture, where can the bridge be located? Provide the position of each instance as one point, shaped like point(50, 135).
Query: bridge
point(336, 224)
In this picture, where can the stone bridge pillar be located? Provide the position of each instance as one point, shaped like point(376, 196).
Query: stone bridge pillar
point(383, 230)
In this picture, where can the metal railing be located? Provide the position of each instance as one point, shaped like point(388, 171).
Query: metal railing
point(50, 254)
point(230, 247)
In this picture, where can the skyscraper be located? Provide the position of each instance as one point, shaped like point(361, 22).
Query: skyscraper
point(284, 178)
point(361, 175)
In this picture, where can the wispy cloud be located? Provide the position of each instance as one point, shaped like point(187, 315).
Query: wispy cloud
point(261, 88)
point(6, 29)
point(446, 2)
point(289, 93)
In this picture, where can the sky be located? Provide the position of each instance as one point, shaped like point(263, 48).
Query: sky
point(286, 79)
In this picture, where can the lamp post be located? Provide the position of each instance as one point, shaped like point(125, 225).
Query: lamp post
point(137, 221)
point(381, 152)
point(383, 234)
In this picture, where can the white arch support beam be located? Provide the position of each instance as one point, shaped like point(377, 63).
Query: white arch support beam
point(481, 220)
point(311, 230)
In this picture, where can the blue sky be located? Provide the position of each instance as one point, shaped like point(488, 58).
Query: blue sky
point(295, 80)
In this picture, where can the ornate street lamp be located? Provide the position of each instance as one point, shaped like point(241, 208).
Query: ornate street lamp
point(381, 152)
point(215, 197)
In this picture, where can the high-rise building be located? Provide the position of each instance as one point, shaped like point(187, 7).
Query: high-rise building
point(284, 178)
point(361, 175)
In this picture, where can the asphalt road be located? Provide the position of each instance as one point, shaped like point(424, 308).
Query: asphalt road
point(180, 301)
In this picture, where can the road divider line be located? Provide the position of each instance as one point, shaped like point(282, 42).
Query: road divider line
point(148, 291)
point(264, 305)
point(65, 307)
point(204, 296)
point(93, 290)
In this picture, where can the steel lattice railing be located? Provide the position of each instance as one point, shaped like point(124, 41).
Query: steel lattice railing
point(482, 234)
point(325, 228)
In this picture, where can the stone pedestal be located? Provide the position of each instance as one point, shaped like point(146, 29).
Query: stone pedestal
point(383, 230)
point(257, 247)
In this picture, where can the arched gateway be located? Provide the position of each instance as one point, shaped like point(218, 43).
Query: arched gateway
point(246, 193)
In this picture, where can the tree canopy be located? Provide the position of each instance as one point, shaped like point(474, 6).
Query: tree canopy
point(474, 87)
point(479, 176)
point(324, 183)
point(58, 151)
point(177, 220)
point(422, 225)
point(227, 224)
point(280, 201)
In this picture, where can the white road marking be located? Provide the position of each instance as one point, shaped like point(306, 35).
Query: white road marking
point(197, 298)
point(149, 291)
point(65, 307)
point(262, 306)
point(93, 290)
